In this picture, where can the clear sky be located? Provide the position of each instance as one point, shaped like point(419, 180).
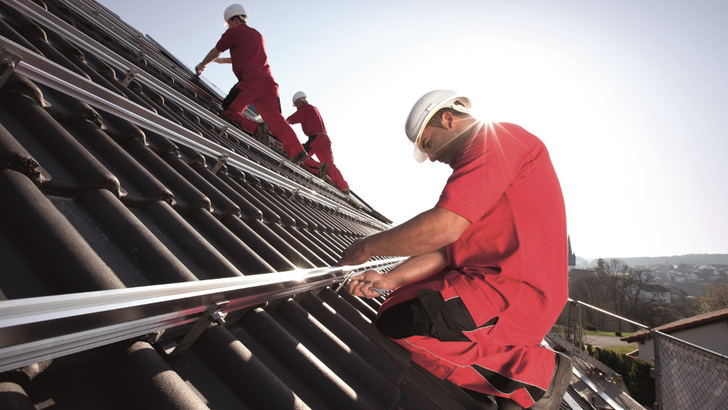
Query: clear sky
point(630, 97)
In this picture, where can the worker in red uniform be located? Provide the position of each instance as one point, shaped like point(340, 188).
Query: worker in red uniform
point(318, 143)
point(487, 273)
point(255, 83)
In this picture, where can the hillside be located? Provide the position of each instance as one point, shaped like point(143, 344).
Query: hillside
point(690, 259)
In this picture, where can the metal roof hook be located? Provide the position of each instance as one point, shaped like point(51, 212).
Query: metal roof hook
point(129, 76)
point(221, 160)
point(223, 131)
point(8, 63)
point(213, 314)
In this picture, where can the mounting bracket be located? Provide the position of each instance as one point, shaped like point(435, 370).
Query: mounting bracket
point(8, 62)
point(212, 314)
point(223, 131)
point(129, 76)
point(348, 276)
point(221, 160)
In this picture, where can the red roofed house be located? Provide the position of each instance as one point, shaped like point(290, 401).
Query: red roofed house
point(709, 331)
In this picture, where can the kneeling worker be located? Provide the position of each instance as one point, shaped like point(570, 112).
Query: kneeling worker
point(487, 273)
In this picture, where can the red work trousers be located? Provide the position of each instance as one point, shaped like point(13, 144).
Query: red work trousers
point(321, 147)
point(479, 362)
point(263, 92)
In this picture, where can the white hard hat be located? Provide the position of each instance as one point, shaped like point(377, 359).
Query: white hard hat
point(298, 95)
point(425, 108)
point(234, 10)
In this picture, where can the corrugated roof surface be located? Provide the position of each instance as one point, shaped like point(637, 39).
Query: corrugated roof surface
point(118, 174)
point(92, 201)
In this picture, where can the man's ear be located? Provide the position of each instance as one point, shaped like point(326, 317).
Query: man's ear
point(447, 120)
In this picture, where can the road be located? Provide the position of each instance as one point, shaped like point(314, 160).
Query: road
point(604, 341)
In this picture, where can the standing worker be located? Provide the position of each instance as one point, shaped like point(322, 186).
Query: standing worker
point(487, 276)
point(255, 83)
point(318, 143)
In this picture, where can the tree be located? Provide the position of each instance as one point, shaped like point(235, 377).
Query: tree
point(615, 287)
point(714, 298)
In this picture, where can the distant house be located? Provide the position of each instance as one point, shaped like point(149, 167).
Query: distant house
point(686, 278)
point(656, 293)
point(709, 331)
point(677, 294)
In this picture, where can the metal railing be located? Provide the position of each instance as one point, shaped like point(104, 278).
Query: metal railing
point(686, 375)
point(42, 328)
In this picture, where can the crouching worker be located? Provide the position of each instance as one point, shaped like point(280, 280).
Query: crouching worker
point(487, 273)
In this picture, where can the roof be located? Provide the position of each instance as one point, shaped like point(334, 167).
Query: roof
point(122, 183)
point(683, 324)
point(156, 256)
point(655, 288)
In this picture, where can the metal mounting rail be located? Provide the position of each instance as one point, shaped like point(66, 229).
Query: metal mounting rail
point(132, 38)
point(43, 328)
point(38, 68)
point(29, 8)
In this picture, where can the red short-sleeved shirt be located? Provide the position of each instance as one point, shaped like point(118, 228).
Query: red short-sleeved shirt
point(310, 119)
point(247, 50)
point(504, 183)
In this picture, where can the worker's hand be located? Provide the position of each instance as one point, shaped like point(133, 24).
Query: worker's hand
point(355, 254)
point(362, 285)
point(199, 68)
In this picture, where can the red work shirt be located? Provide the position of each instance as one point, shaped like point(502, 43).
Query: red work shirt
point(310, 119)
point(504, 183)
point(247, 50)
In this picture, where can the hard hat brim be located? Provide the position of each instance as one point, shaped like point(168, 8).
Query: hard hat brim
point(420, 156)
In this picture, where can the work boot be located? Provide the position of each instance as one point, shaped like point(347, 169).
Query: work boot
point(299, 158)
point(323, 169)
point(559, 383)
point(261, 134)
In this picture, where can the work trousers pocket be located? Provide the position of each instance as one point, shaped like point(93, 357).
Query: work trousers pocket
point(234, 92)
point(449, 318)
point(429, 315)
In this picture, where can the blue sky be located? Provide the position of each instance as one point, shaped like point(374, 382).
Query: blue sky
point(630, 97)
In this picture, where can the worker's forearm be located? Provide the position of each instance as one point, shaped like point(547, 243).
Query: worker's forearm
point(427, 232)
point(212, 55)
point(418, 268)
point(412, 270)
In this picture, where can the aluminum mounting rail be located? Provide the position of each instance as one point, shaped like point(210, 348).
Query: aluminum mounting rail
point(38, 68)
point(129, 36)
point(43, 328)
point(32, 10)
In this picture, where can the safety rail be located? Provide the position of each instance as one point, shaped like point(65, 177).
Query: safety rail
point(43, 328)
point(686, 375)
point(145, 118)
point(41, 70)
